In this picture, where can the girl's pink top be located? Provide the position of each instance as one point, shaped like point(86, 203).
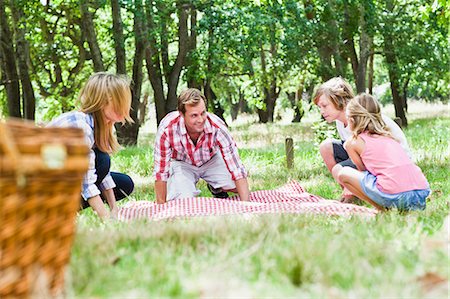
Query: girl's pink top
point(385, 158)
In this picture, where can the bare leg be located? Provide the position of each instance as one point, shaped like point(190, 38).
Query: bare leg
point(326, 151)
point(350, 179)
point(347, 195)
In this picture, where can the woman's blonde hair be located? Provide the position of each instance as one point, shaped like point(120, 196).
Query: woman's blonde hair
point(364, 114)
point(190, 96)
point(99, 90)
point(337, 90)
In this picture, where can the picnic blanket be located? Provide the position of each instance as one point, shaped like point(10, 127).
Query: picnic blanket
point(291, 198)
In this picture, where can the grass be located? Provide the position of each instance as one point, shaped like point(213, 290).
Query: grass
point(392, 255)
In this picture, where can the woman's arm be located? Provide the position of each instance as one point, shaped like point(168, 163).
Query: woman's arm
point(111, 200)
point(97, 205)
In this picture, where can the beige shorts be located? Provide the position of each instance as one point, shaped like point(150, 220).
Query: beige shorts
point(183, 177)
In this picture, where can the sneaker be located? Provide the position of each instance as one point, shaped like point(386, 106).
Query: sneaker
point(217, 193)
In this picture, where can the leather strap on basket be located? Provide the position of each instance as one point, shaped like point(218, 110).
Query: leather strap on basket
point(11, 152)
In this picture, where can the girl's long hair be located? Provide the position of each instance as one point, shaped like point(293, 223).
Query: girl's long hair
point(364, 113)
point(95, 95)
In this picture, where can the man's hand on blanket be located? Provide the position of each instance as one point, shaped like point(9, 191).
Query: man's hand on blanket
point(160, 191)
point(242, 189)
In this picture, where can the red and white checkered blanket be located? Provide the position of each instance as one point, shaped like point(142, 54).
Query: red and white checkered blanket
point(290, 198)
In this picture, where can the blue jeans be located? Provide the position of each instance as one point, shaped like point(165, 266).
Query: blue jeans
point(124, 184)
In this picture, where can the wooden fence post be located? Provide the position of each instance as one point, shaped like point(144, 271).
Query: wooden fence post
point(289, 144)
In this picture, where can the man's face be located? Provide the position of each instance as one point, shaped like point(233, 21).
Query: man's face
point(195, 117)
point(327, 109)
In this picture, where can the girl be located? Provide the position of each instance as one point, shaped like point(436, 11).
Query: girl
point(386, 177)
point(332, 97)
point(105, 100)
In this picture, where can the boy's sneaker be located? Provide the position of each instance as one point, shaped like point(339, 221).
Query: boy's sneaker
point(217, 193)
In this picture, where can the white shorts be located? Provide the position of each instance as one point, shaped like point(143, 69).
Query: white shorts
point(183, 177)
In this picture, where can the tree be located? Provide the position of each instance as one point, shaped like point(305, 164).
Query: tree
point(9, 77)
point(414, 46)
point(164, 69)
point(23, 58)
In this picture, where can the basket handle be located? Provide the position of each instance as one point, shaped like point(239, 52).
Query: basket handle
point(11, 152)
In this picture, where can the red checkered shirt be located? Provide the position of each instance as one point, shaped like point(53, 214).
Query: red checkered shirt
point(173, 142)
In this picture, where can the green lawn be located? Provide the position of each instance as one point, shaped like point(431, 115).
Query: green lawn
point(391, 255)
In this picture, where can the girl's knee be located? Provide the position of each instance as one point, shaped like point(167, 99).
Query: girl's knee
point(343, 175)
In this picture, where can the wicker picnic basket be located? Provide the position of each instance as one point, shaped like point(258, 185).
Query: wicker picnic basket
point(41, 172)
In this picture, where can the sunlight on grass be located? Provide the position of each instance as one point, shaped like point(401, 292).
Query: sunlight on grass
point(279, 256)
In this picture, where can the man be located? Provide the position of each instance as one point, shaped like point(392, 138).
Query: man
point(332, 98)
point(192, 144)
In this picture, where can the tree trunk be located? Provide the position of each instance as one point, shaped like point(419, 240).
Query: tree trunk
point(370, 79)
point(119, 40)
point(91, 36)
point(234, 107)
point(153, 65)
point(183, 48)
point(405, 93)
point(128, 134)
point(165, 104)
point(391, 60)
point(9, 74)
point(212, 100)
point(365, 42)
point(23, 56)
point(191, 74)
point(271, 91)
point(295, 98)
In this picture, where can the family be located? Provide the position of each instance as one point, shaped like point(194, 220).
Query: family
point(371, 162)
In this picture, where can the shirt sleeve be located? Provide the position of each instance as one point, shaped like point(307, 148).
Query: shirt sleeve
point(230, 155)
point(107, 183)
point(344, 132)
point(162, 154)
point(397, 133)
point(89, 189)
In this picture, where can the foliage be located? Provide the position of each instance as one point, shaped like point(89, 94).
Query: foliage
point(303, 44)
point(322, 131)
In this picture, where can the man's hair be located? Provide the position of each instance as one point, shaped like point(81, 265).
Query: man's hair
point(190, 96)
point(337, 90)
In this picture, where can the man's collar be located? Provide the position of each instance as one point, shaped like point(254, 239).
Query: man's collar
point(182, 124)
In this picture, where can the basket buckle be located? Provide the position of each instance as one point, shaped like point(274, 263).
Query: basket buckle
point(54, 155)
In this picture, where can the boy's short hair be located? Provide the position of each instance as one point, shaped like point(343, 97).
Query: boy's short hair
point(337, 90)
point(190, 96)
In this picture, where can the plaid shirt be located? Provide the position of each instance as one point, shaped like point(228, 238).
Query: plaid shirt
point(86, 123)
point(173, 142)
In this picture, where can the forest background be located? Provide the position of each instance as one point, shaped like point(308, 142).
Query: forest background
point(246, 56)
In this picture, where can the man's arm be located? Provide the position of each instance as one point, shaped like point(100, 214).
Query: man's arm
point(242, 189)
point(161, 191)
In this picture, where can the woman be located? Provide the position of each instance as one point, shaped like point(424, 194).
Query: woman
point(105, 99)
